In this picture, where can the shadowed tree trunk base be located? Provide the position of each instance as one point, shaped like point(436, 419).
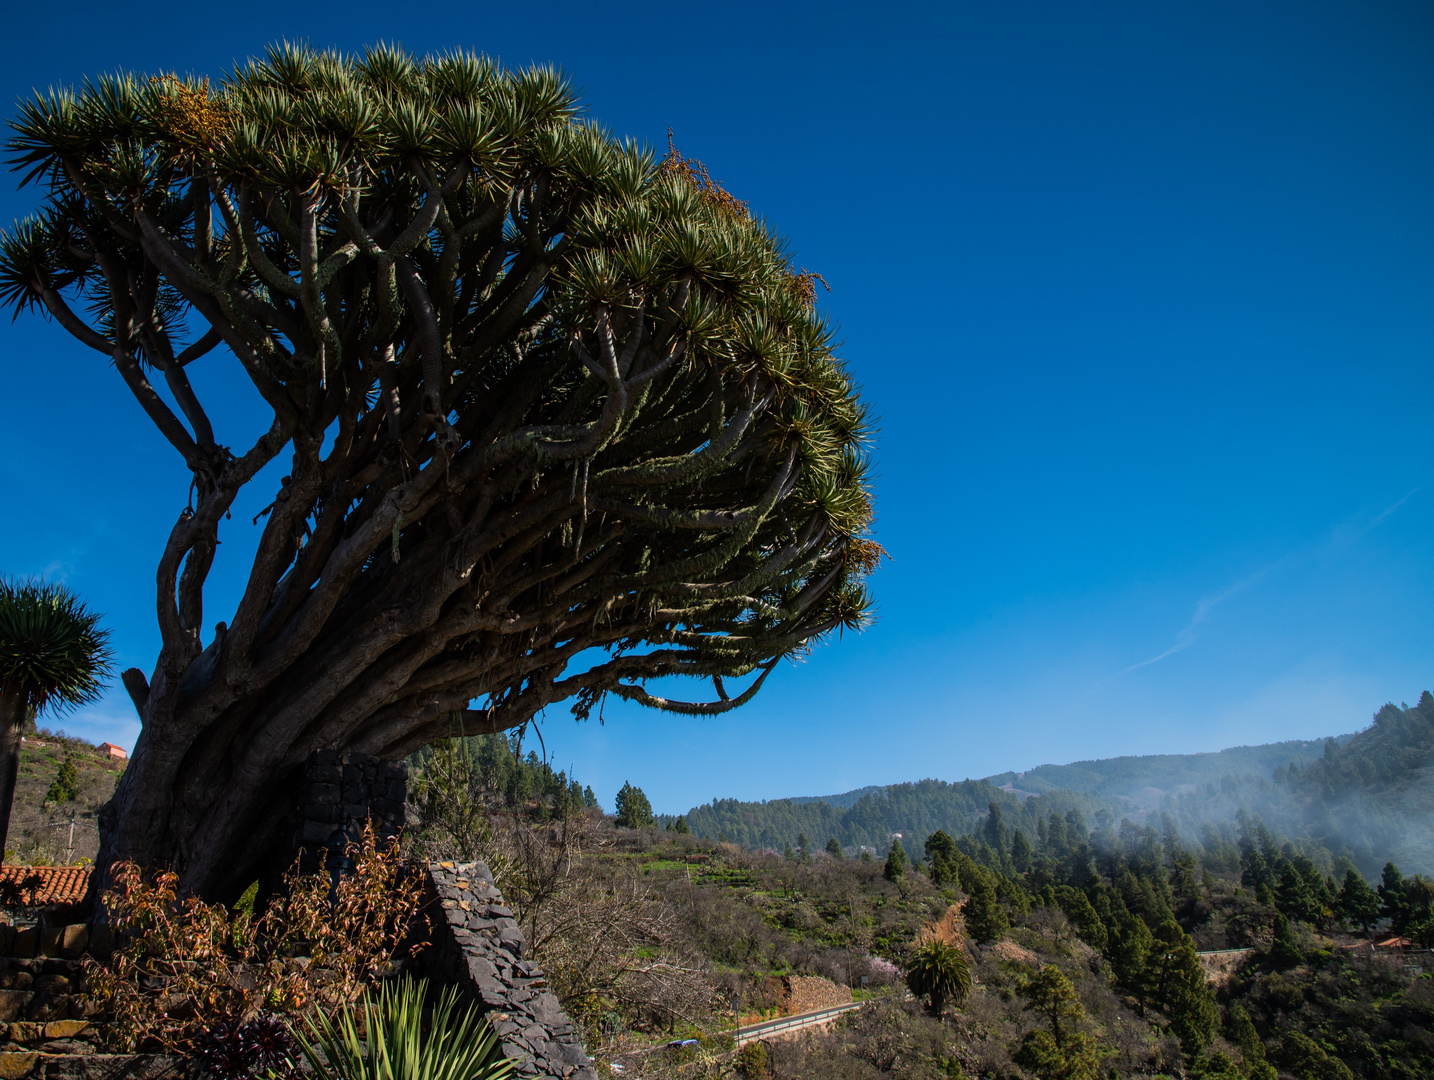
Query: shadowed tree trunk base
point(12, 725)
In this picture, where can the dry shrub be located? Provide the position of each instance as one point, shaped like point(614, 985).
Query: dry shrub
point(607, 941)
point(185, 966)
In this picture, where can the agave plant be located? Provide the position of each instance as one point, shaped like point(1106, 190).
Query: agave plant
point(53, 656)
point(384, 1038)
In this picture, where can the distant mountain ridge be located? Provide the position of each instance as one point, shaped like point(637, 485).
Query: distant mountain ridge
point(1132, 776)
point(842, 801)
point(1367, 797)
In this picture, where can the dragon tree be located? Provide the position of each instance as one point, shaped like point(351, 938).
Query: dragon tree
point(558, 417)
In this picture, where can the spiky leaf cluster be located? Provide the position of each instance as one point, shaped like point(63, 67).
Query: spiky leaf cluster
point(545, 394)
point(54, 655)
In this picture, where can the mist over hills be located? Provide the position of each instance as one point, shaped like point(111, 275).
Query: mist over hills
point(1366, 798)
point(1142, 779)
point(1147, 779)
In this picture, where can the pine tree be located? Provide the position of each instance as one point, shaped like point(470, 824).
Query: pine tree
point(1284, 953)
point(1295, 896)
point(1303, 1057)
point(1182, 990)
point(589, 799)
point(1083, 917)
point(633, 809)
point(834, 848)
point(803, 849)
point(985, 918)
point(895, 862)
point(1240, 1030)
point(1358, 903)
point(994, 831)
point(1051, 994)
point(940, 852)
point(1130, 959)
point(1391, 897)
point(66, 785)
point(1020, 852)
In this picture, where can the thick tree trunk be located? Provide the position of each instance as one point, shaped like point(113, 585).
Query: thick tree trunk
point(213, 800)
point(12, 724)
point(199, 810)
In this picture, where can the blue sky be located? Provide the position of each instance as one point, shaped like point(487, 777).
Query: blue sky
point(1144, 295)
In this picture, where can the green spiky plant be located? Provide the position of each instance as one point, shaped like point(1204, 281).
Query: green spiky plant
point(385, 1037)
point(560, 417)
point(940, 973)
point(54, 656)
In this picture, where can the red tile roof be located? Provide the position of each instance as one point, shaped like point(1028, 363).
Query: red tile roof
point(57, 884)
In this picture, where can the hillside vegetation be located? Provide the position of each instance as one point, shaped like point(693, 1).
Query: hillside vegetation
point(1082, 935)
point(62, 784)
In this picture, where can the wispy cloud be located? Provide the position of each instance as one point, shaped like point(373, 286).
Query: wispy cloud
point(1188, 634)
point(1344, 535)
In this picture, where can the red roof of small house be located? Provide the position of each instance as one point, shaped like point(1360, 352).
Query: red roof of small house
point(1395, 943)
point(112, 750)
point(57, 884)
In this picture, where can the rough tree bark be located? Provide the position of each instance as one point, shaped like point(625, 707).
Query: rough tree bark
point(560, 418)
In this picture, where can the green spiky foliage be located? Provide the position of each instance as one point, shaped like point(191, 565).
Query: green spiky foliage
point(561, 416)
point(54, 656)
point(387, 1037)
point(940, 973)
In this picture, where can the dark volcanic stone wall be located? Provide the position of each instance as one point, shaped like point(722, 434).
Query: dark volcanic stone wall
point(342, 791)
point(478, 945)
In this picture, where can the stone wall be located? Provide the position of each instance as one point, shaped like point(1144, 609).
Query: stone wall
point(808, 993)
point(341, 791)
point(38, 1065)
point(41, 1009)
point(478, 946)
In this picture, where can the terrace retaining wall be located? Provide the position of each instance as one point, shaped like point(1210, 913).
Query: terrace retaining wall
point(478, 946)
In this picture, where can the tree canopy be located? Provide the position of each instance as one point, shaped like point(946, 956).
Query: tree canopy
point(561, 417)
point(633, 809)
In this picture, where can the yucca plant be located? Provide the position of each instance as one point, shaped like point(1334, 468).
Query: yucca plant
point(559, 417)
point(387, 1037)
point(54, 656)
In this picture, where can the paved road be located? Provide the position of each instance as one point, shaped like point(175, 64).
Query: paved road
point(784, 1024)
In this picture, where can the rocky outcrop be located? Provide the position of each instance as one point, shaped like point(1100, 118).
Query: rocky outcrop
point(478, 946)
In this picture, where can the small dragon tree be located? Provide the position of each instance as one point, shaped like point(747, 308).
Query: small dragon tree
point(54, 655)
point(561, 418)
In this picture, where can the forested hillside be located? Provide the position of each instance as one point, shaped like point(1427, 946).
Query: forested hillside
point(1367, 798)
point(1071, 942)
point(914, 810)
